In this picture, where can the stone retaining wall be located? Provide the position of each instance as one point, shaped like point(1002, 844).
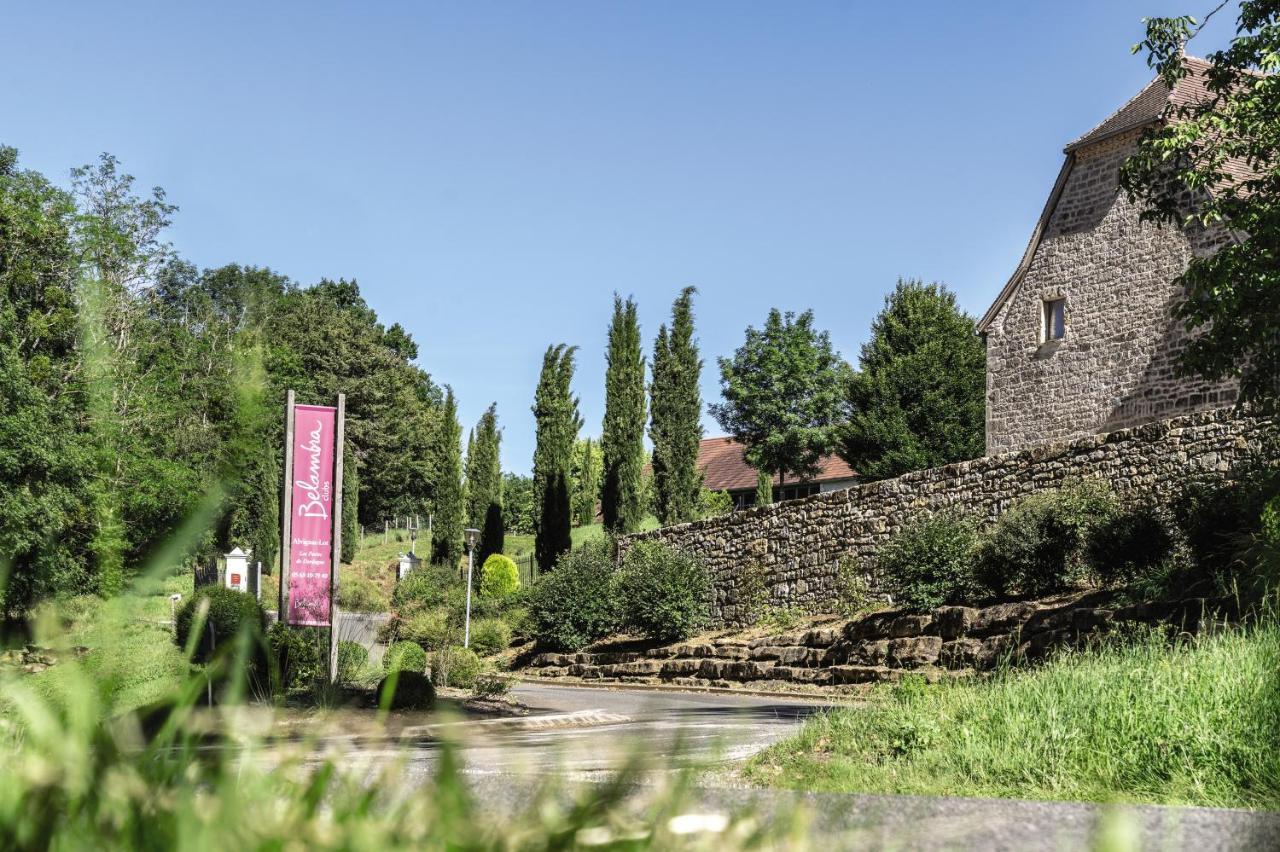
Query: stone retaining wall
point(951, 641)
point(797, 546)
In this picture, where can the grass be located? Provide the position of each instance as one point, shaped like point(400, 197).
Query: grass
point(1196, 724)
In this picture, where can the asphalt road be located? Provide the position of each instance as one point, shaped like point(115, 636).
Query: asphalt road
point(668, 729)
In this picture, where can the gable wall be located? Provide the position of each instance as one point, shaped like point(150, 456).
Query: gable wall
point(1117, 365)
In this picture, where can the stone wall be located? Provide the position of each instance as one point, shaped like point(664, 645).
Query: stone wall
point(1117, 365)
point(797, 546)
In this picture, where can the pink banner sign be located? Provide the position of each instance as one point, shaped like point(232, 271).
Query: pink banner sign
point(311, 531)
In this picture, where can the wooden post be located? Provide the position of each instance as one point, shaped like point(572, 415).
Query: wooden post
point(337, 538)
point(286, 512)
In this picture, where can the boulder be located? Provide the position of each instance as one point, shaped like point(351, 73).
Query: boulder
point(959, 653)
point(952, 622)
point(1002, 618)
point(912, 652)
point(910, 625)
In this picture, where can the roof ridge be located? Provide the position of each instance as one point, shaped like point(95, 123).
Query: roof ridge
point(1079, 140)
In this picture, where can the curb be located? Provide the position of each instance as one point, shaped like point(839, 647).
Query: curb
point(834, 700)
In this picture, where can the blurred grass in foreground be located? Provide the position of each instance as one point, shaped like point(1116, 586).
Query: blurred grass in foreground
point(1193, 724)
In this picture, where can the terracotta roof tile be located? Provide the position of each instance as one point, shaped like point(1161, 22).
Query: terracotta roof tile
point(724, 467)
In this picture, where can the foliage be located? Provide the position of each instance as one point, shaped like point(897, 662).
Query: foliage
point(1220, 523)
point(456, 667)
point(406, 690)
point(298, 656)
point(449, 507)
point(427, 586)
point(1129, 546)
point(404, 656)
point(783, 392)
point(350, 503)
point(352, 658)
point(713, 504)
point(929, 562)
point(588, 462)
point(229, 613)
point(484, 484)
point(1195, 723)
point(780, 618)
point(500, 578)
point(622, 438)
point(360, 594)
point(918, 399)
point(764, 488)
point(518, 515)
point(666, 594)
point(491, 686)
point(853, 589)
point(675, 425)
point(753, 592)
point(1222, 151)
point(555, 412)
point(577, 603)
point(1038, 547)
point(490, 636)
point(431, 628)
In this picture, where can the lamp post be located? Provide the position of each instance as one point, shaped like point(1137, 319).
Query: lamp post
point(471, 536)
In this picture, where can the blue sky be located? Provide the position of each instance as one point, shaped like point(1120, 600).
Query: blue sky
point(492, 173)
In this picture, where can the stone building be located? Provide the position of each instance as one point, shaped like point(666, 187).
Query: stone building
point(1081, 339)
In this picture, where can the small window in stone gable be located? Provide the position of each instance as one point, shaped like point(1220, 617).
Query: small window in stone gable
point(1053, 321)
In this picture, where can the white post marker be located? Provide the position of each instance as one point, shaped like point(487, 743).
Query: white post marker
point(237, 571)
point(472, 535)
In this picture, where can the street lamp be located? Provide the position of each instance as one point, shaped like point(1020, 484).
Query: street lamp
point(471, 536)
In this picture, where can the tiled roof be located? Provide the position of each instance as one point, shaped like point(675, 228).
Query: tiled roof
point(1152, 103)
point(724, 467)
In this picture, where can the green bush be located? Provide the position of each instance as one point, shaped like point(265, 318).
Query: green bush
point(929, 562)
point(431, 628)
point(713, 504)
point(499, 577)
point(428, 586)
point(576, 603)
point(230, 612)
point(1128, 547)
point(413, 691)
point(405, 657)
point(491, 686)
point(454, 666)
point(297, 655)
point(352, 658)
point(490, 636)
point(1224, 526)
point(1038, 547)
point(666, 594)
point(360, 594)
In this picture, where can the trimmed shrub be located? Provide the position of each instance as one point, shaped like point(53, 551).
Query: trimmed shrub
point(499, 577)
point(352, 657)
point(490, 636)
point(430, 628)
point(405, 657)
point(576, 603)
point(666, 594)
point(413, 691)
point(1038, 548)
point(1128, 547)
point(929, 562)
point(454, 666)
point(297, 656)
point(360, 594)
point(229, 613)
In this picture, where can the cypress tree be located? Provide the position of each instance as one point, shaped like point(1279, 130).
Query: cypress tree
point(622, 441)
point(586, 482)
point(350, 504)
point(484, 482)
point(449, 507)
point(764, 489)
point(555, 412)
point(676, 406)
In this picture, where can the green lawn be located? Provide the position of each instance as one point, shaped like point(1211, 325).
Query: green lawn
point(1195, 725)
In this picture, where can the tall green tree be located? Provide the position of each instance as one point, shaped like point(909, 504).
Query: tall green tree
point(350, 503)
point(918, 398)
point(555, 412)
point(46, 462)
point(622, 440)
point(764, 488)
point(1223, 151)
point(587, 464)
point(448, 506)
point(519, 511)
point(783, 394)
point(484, 483)
point(675, 425)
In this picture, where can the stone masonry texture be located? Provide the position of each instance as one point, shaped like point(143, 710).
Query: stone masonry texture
point(796, 547)
point(1117, 364)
